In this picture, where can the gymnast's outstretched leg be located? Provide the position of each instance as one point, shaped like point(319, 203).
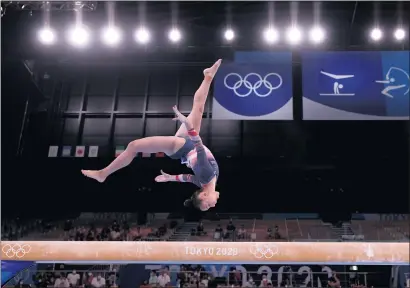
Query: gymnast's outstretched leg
point(199, 100)
point(167, 144)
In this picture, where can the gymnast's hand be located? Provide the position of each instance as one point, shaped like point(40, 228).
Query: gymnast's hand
point(164, 177)
point(182, 119)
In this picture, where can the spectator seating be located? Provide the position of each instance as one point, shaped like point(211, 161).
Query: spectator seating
point(256, 230)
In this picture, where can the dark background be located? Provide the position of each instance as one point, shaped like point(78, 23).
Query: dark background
point(62, 96)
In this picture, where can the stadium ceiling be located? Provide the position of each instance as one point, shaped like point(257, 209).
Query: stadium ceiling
point(204, 25)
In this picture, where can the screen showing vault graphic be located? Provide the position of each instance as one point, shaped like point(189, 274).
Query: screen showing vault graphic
point(356, 85)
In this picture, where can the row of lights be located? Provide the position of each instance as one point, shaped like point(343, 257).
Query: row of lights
point(79, 36)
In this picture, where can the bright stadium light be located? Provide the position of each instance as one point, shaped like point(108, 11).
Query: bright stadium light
point(78, 36)
point(399, 34)
point(46, 36)
point(229, 34)
point(376, 34)
point(142, 35)
point(294, 36)
point(174, 35)
point(317, 35)
point(271, 35)
point(111, 36)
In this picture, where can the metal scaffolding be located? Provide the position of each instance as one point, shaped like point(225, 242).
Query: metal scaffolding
point(49, 5)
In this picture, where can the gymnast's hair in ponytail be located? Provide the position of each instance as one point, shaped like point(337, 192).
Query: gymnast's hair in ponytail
point(188, 203)
point(194, 201)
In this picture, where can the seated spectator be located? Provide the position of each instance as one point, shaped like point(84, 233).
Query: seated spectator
point(182, 276)
point(277, 234)
point(73, 278)
point(194, 278)
point(98, 282)
point(173, 224)
point(68, 225)
point(163, 279)
point(250, 283)
point(79, 234)
point(61, 282)
point(269, 232)
point(265, 282)
point(205, 279)
point(126, 226)
point(114, 235)
point(115, 226)
point(112, 279)
point(90, 235)
point(235, 277)
point(230, 229)
point(88, 280)
point(200, 229)
point(21, 284)
point(71, 234)
point(105, 232)
point(129, 236)
point(162, 230)
point(40, 280)
point(218, 232)
point(153, 279)
point(242, 232)
point(166, 269)
point(333, 281)
point(145, 285)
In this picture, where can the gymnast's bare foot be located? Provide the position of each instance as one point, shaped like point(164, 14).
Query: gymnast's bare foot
point(210, 72)
point(95, 174)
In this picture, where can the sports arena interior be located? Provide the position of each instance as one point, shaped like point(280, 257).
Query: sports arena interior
point(314, 191)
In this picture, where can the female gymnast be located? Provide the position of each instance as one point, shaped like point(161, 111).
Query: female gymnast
point(185, 145)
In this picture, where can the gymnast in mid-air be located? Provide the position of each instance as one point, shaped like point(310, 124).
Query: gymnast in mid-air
point(185, 145)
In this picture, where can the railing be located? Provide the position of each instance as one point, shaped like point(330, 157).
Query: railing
point(303, 277)
point(287, 230)
point(300, 229)
point(269, 286)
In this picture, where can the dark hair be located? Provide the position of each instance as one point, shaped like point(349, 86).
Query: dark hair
point(194, 201)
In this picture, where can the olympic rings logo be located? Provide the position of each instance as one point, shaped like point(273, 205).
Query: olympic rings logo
point(16, 250)
point(263, 251)
point(252, 88)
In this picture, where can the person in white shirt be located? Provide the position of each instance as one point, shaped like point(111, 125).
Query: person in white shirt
point(163, 279)
point(73, 278)
point(205, 281)
point(265, 281)
point(115, 235)
point(249, 284)
point(153, 279)
point(242, 232)
point(61, 283)
point(98, 282)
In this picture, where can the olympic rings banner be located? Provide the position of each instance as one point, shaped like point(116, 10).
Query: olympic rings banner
point(356, 85)
point(257, 86)
point(210, 252)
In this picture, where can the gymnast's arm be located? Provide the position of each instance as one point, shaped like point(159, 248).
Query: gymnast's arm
point(164, 177)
